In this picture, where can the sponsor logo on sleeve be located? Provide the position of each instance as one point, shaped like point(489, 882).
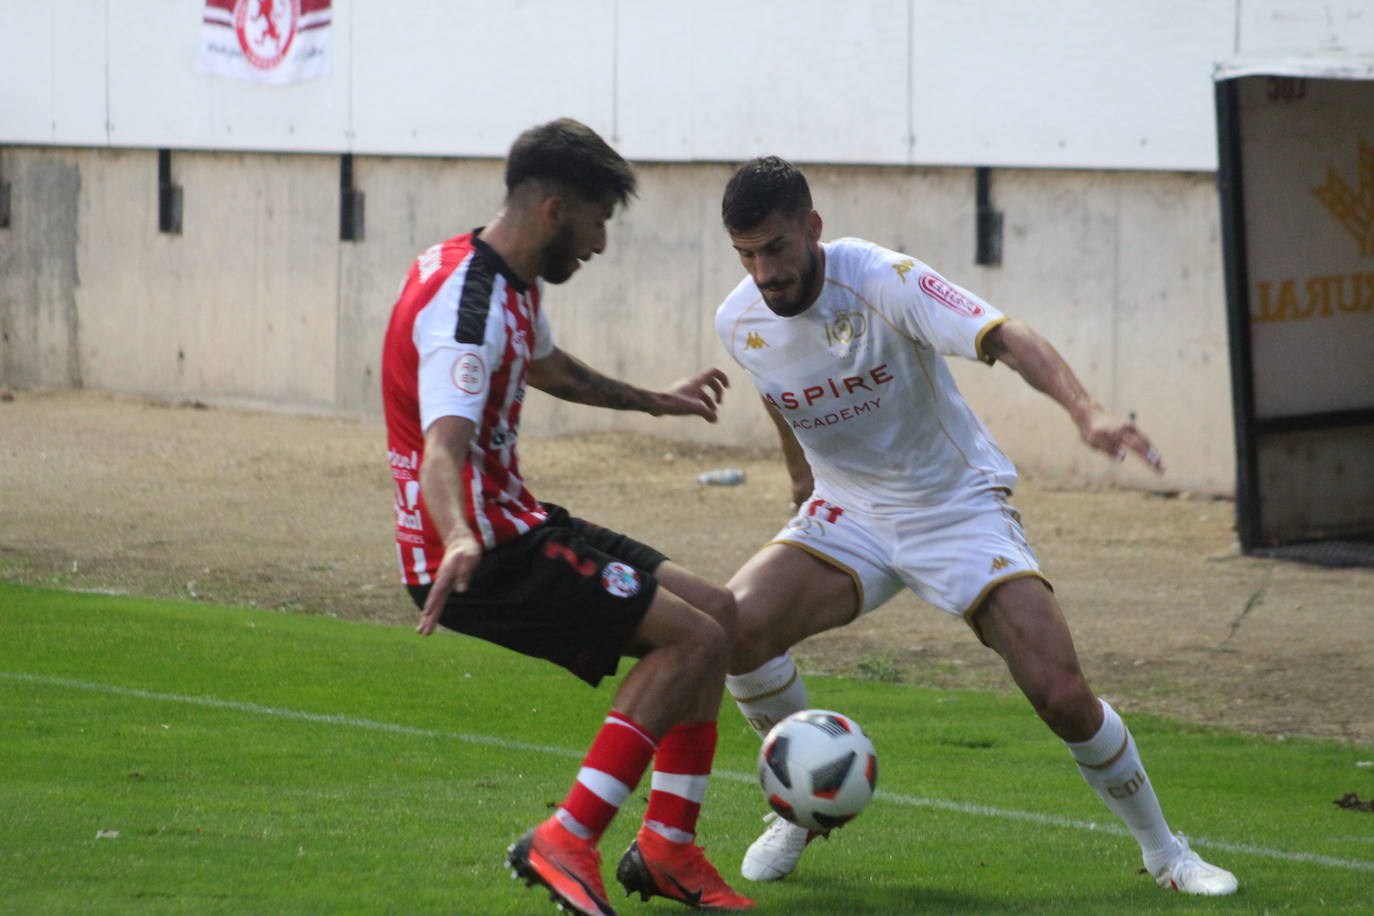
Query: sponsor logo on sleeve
point(945, 293)
point(620, 580)
point(470, 374)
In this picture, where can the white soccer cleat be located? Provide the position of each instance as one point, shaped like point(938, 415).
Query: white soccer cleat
point(1187, 873)
point(774, 854)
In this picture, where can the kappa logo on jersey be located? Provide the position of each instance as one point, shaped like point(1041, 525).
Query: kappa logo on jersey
point(620, 580)
point(470, 374)
point(1000, 563)
point(903, 268)
point(754, 341)
point(844, 327)
point(945, 293)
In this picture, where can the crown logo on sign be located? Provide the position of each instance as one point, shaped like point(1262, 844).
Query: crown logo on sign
point(1354, 209)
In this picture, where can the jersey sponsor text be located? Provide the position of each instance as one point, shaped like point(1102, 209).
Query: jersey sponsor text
point(836, 416)
point(830, 388)
point(943, 292)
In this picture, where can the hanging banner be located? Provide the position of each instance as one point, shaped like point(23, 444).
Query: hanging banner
point(271, 41)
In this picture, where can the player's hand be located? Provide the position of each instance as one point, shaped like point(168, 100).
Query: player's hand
point(700, 395)
point(802, 488)
point(461, 557)
point(1116, 437)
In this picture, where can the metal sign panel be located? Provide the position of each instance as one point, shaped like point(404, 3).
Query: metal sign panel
point(1297, 183)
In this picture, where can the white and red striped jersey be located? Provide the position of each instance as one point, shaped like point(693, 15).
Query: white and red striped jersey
point(461, 338)
point(861, 378)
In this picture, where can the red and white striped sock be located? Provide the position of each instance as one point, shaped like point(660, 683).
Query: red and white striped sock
point(682, 767)
point(617, 759)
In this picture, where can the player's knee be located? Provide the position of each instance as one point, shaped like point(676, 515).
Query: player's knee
point(707, 641)
point(1066, 704)
point(755, 643)
point(719, 603)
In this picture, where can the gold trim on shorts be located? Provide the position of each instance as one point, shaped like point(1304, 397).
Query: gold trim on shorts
point(972, 609)
point(826, 558)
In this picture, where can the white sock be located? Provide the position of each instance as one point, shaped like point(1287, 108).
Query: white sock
point(1111, 764)
point(769, 693)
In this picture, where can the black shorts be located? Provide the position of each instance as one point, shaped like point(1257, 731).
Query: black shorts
point(568, 591)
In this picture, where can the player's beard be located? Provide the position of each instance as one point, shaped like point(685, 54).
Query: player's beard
point(802, 295)
point(560, 260)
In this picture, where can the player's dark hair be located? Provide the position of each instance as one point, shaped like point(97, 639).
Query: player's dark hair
point(571, 154)
point(762, 187)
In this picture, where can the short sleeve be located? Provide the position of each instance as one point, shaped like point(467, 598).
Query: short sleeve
point(455, 378)
point(930, 308)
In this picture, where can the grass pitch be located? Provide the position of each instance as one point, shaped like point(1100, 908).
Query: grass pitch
point(163, 757)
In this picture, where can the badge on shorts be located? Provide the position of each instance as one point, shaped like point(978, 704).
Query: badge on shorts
point(620, 580)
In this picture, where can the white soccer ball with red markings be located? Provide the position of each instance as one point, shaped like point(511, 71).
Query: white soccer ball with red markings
point(818, 769)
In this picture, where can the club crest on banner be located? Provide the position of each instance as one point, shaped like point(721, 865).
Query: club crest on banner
point(270, 41)
point(265, 29)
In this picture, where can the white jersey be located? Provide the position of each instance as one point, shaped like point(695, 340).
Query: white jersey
point(860, 378)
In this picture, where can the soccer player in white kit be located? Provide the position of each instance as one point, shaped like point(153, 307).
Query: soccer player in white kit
point(899, 485)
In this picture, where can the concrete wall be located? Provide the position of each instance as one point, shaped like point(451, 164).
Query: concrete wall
point(257, 301)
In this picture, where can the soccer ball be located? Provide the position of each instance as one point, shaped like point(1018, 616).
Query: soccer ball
point(817, 769)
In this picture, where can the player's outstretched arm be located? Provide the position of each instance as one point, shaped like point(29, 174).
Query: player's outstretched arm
point(441, 483)
point(1039, 363)
point(798, 469)
point(567, 377)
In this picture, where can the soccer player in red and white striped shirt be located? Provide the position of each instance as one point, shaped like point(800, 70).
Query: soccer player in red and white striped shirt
point(482, 556)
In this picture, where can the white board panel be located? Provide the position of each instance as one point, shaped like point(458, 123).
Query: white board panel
point(26, 76)
point(52, 72)
point(1280, 27)
point(1075, 83)
point(810, 80)
point(159, 98)
point(464, 78)
point(1063, 84)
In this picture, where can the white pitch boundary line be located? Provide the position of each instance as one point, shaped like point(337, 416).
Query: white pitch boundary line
point(1008, 814)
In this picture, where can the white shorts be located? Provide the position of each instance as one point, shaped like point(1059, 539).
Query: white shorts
point(950, 555)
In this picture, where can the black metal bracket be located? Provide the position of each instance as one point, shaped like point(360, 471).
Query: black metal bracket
point(988, 239)
point(350, 203)
point(168, 196)
point(4, 204)
point(1236, 274)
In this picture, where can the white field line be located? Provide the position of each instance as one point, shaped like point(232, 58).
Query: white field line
point(1006, 814)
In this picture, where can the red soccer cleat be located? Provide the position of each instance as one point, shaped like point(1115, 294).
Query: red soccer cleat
point(568, 866)
point(679, 871)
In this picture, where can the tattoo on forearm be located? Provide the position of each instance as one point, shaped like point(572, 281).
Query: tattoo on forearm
point(585, 386)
